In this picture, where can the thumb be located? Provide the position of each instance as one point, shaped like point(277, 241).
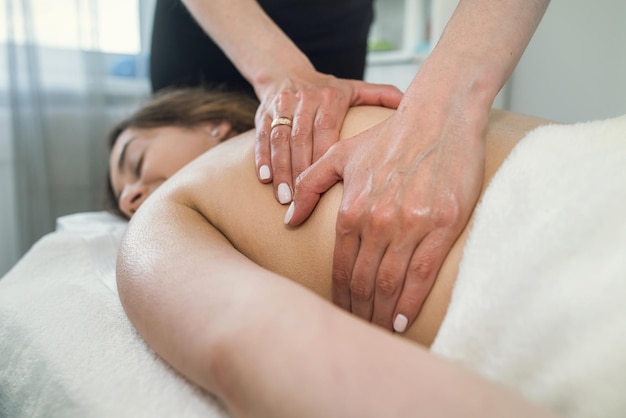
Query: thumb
point(312, 182)
point(376, 95)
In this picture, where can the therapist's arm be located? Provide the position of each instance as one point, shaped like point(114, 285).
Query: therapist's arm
point(287, 85)
point(411, 182)
point(268, 347)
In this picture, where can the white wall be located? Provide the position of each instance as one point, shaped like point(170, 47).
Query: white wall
point(575, 66)
point(573, 70)
point(402, 25)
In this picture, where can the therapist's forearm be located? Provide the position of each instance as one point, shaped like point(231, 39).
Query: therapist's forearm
point(252, 41)
point(481, 46)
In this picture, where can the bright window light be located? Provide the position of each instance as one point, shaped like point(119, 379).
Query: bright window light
point(101, 25)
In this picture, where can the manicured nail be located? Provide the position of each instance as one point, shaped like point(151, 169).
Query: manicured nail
point(264, 172)
point(289, 213)
point(399, 325)
point(284, 193)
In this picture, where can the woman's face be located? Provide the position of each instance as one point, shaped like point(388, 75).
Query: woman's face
point(142, 159)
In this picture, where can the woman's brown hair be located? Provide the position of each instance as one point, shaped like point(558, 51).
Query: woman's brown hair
point(185, 108)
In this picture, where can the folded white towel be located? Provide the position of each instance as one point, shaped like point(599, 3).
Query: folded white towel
point(540, 301)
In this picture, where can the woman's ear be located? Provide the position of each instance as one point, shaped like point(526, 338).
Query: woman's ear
point(221, 131)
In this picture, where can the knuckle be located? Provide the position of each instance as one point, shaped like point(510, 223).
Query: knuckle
point(415, 215)
point(327, 92)
point(341, 279)
point(423, 267)
point(279, 137)
point(360, 290)
point(305, 96)
point(387, 284)
point(262, 134)
point(445, 214)
point(347, 220)
point(330, 94)
point(283, 98)
point(300, 136)
point(381, 217)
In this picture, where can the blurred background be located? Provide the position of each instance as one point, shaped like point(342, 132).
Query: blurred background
point(69, 69)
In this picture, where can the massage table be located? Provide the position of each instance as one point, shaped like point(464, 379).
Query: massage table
point(539, 304)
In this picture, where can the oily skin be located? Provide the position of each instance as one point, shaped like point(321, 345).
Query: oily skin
point(247, 214)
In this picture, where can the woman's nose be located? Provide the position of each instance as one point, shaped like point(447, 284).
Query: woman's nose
point(132, 198)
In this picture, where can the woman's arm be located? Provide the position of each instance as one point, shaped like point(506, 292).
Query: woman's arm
point(268, 347)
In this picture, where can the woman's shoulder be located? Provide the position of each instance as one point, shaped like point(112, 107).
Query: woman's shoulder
point(227, 164)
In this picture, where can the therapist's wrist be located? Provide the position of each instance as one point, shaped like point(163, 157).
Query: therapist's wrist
point(279, 69)
point(453, 86)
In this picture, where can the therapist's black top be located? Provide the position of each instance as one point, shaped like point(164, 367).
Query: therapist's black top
point(332, 33)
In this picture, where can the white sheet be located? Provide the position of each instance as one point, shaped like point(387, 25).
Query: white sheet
point(540, 301)
point(66, 346)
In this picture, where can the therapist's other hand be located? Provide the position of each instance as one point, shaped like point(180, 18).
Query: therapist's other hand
point(316, 104)
point(410, 185)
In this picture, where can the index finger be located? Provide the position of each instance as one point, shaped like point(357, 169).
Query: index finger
point(262, 149)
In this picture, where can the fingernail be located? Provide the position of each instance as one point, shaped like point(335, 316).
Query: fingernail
point(289, 213)
point(264, 172)
point(284, 193)
point(399, 325)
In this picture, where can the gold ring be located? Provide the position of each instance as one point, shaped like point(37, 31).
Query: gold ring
point(282, 120)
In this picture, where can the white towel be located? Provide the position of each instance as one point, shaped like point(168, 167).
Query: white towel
point(540, 301)
point(66, 346)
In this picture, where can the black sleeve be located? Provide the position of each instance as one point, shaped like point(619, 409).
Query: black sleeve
point(332, 33)
point(181, 54)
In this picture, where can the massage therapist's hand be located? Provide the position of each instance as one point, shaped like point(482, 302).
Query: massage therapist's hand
point(308, 106)
point(300, 117)
point(410, 185)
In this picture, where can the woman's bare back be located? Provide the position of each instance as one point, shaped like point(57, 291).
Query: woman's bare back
point(222, 186)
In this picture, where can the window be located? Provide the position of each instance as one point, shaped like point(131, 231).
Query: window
point(100, 25)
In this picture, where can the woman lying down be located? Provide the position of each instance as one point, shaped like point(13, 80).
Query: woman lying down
point(526, 317)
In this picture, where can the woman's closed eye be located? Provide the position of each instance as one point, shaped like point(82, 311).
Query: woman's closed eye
point(139, 166)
